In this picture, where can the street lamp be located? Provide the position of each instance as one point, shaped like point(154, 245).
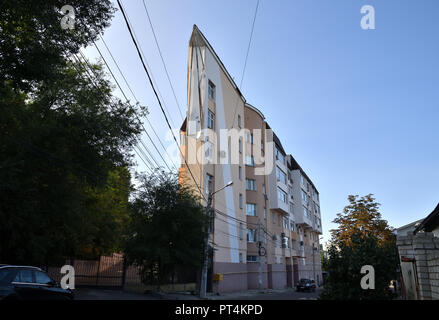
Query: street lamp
point(203, 285)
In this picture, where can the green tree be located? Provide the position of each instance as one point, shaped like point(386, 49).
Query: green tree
point(361, 216)
point(108, 215)
point(344, 268)
point(33, 45)
point(362, 238)
point(324, 260)
point(65, 142)
point(166, 229)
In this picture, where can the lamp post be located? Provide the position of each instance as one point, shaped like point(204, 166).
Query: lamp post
point(203, 285)
point(313, 261)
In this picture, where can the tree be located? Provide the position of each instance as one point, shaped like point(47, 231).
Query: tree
point(361, 216)
point(108, 217)
point(324, 260)
point(166, 229)
point(33, 45)
point(344, 267)
point(66, 141)
point(362, 238)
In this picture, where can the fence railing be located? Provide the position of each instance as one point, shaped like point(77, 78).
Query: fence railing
point(112, 272)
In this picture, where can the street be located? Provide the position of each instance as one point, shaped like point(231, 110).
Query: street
point(281, 294)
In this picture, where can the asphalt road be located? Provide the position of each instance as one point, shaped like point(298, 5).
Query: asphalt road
point(102, 294)
point(287, 294)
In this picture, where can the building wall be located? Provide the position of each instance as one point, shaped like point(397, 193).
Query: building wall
point(424, 249)
point(209, 152)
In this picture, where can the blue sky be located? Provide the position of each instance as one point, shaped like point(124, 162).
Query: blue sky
point(358, 109)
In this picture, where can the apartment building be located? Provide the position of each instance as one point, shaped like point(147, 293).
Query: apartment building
point(267, 222)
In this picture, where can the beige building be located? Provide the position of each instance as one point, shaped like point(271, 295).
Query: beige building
point(263, 231)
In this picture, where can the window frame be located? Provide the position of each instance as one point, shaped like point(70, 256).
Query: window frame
point(210, 119)
point(211, 90)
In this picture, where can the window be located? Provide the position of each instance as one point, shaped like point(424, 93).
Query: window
point(209, 183)
point(239, 121)
point(306, 212)
point(273, 217)
point(210, 120)
point(305, 197)
point(240, 258)
point(249, 137)
point(6, 276)
point(302, 180)
point(251, 209)
point(281, 176)
point(24, 276)
point(281, 195)
point(240, 145)
point(265, 213)
point(262, 145)
point(207, 150)
point(240, 201)
point(250, 184)
point(250, 161)
point(278, 219)
point(240, 172)
point(280, 156)
point(285, 223)
point(211, 90)
point(263, 189)
point(241, 236)
point(251, 235)
point(291, 208)
point(252, 259)
point(292, 226)
point(41, 277)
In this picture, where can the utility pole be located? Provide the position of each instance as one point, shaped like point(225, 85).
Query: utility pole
point(259, 256)
point(313, 262)
point(203, 284)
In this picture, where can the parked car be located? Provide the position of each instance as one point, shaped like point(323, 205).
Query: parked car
point(306, 285)
point(30, 283)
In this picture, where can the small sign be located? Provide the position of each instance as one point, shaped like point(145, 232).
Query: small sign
point(218, 277)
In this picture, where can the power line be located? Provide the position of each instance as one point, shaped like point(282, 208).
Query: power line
point(127, 20)
point(157, 97)
point(245, 62)
point(94, 84)
point(163, 61)
point(135, 98)
point(135, 113)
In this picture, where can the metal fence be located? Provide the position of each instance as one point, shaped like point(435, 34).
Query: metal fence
point(112, 272)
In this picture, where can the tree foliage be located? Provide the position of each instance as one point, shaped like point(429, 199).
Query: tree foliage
point(344, 267)
point(33, 45)
point(361, 216)
point(166, 229)
point(65, 142)
point(362, 238)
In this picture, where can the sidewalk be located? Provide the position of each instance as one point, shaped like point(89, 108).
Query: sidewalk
point(248, 293)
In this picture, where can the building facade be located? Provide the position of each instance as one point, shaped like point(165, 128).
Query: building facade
point(267, 224)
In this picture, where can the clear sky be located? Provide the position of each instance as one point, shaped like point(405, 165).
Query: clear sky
point(358, 109)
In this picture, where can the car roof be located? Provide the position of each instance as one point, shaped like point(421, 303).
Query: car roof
point(5, 266)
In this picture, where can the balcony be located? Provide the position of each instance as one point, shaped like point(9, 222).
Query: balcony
point(303, 220)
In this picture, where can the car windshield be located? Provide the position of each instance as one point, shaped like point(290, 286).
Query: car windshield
point(6, 275)
point(305, 281)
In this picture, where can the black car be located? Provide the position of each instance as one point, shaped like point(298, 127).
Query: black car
point(29, 283)
point(306, 285)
